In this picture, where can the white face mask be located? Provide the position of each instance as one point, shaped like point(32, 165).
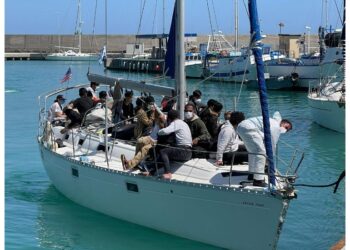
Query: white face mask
point(283, 130)
point(198, 101)
point(188, 115)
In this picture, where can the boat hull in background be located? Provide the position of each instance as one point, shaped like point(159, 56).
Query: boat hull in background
point(328, 113)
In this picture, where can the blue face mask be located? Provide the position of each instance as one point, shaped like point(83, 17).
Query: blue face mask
point(62, 101)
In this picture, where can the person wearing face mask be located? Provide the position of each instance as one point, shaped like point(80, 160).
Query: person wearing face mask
point(210, 116)
point(145, 115)
point(199, 132)
point(229, 142)
point(56, 115)
point(196, 100)
point(251, 131)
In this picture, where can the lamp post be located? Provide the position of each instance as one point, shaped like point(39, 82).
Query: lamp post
point(308, 28)
point(281, 26)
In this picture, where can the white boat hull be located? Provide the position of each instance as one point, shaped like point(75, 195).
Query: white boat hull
point(328, 113)
point(194, 69)
point(305, 73)
point(233, 218)
point(233, 69)
point(71, 58)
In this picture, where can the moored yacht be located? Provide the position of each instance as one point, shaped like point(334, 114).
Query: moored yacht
point(327, 103)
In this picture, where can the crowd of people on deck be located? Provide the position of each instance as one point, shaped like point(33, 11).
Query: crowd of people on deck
point(199, 135)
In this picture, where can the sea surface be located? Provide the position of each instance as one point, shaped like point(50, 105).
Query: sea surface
point(37, 216)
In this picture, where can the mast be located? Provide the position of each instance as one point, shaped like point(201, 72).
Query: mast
point(79, 26)
point(180, 57)
point(256, 46)
point(236, 25)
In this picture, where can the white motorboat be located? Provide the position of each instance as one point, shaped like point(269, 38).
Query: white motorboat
point(73, 53)
point(193, 65)
point(237, 67)
point(327, 104)
point(202, 201)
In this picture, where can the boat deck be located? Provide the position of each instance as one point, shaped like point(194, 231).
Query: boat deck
point(199, 171)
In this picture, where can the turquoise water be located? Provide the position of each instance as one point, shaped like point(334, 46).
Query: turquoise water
point(37, 216)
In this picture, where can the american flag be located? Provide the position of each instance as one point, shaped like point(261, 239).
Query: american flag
point(67, 76)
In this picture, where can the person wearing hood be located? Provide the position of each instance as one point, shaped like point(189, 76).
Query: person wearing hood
point(229, 142)
point(199, 131)
point(210, 117)
point(196, 100)
point(251, 132)
point(145, 114)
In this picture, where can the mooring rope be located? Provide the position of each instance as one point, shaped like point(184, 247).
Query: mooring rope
point(336, 183)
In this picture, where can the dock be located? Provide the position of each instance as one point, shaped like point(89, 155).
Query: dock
point(24, 56)
point(136, 64)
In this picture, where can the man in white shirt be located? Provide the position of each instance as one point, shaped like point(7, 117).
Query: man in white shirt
point(251, 132)
point(229, 142)
point(182, 150)
point(92, 89)
point(55, 112)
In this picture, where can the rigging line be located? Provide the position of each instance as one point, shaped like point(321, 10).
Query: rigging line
point(211, 25)
point(245, 7)
point(93, 33)
point(155, 15)
point(338, 11)
point(163, 16)
point(106, 23)
point(142, 5)
point(215, 18)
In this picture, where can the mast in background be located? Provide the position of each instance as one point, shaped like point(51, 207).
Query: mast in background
point(236, 25)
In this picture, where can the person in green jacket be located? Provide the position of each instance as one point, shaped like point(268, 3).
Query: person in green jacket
point(200, 134)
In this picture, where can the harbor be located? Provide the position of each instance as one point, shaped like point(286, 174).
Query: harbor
point(169, 136)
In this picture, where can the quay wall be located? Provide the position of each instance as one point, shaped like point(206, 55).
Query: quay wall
point(115, 43)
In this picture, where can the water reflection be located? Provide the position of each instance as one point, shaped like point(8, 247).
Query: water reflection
point(62, 224)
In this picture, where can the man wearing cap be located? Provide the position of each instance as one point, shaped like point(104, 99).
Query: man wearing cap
point(55, 112)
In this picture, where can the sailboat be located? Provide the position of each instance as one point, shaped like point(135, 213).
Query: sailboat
point(73, 53)
point(202, 202)
point(327, 100)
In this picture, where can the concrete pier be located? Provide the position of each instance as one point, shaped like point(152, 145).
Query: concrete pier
point(24, 56)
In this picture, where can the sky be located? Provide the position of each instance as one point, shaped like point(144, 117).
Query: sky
point(123, 16)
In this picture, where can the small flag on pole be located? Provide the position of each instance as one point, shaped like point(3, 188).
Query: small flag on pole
point(102, 54)
point(67, 76)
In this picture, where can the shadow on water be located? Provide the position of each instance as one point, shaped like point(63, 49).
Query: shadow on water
point(62, 224)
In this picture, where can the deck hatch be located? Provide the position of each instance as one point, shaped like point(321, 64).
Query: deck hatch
point(81, 141)
point(101, 147)
point(75, 172)
point(132, 187)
